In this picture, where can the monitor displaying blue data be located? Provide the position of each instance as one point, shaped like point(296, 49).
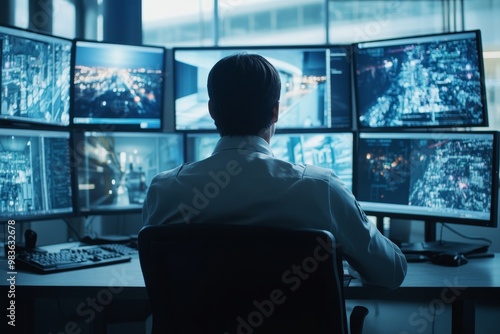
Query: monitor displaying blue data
point(118, 87)
point(332, 150)
point(325, 149)
point(115, 169)
point(35, 175)
point(423, 81)
point(434, 176)
point(315, 85)
point(200, 145)
point(35, 84)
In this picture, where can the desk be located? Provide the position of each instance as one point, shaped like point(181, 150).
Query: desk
point(459, 286)
point(479, 280)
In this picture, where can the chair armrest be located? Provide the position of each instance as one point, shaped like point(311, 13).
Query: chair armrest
point(357, 319)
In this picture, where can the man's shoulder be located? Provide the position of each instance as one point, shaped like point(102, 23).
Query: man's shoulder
point(171, 173)
point(317, 173)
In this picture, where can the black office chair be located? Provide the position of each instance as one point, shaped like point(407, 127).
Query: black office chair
point(229, 279)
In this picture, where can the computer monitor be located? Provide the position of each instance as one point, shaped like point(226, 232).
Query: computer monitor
point(424, 81)
point(36, 78)
point(35, 175)
point(200, 145)
point(118, 87)
point(333, 150)
point(115, 169)
point(445, 177)
point(315, 85)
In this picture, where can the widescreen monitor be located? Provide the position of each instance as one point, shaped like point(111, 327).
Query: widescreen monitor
point(36, 78)
point(424, 81)
point(333, 150)
point(35, 175)
point(446, 177)
point(315, 85)
point(115, 169)
point(118, 87)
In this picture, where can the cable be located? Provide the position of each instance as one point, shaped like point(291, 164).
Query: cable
point(462, 235)
point(89, 230)
point(72, 229)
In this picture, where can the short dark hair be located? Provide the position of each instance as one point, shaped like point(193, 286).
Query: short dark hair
point(243, 89)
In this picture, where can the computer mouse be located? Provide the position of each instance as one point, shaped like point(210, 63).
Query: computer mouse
point(450, 259)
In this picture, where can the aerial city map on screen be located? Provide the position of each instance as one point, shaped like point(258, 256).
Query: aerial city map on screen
point(420, 82)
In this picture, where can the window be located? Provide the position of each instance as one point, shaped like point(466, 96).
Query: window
point(359, 21)
point(263, 22)
point(64, 18)
point(178, 23)
point(483, 15)
point(21, 16)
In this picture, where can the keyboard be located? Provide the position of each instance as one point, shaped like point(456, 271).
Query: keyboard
point(431, 248)
point(74, 258)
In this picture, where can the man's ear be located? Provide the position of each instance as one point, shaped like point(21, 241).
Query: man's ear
point(276, 112)
point(210, 109)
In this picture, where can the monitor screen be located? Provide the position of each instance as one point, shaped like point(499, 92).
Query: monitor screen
point(424, 81)
point(325, 149)
point(315, 85)
point(36, 77)
point(333, 150)
point(200, 145)
point(438, 177)
point(118, 87)
point(114, 169)
point(36, 175)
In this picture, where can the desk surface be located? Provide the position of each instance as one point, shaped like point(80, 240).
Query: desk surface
point(425, 282)
point(478, 274)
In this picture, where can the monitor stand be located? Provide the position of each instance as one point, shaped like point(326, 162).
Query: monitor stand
point(431, 246)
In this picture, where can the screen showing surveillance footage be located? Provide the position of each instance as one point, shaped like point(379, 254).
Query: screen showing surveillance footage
point(315, 85)
point(118, 87)
point(442, 175)
point(427, 81)
point(36, 77)
point(116, 168)
point(35, 174)
point(329, 150)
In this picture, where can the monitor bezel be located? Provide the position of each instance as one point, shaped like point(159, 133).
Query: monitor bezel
point(53, 215)
point(240, 48)
point(432, 218)
point(78, 139)
point(20, 122)
point(482, 80)
point(107, 127)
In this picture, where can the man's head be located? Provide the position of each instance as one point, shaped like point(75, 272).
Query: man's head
point(244, 91)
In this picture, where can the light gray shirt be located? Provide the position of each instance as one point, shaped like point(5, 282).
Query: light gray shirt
point(242, 182)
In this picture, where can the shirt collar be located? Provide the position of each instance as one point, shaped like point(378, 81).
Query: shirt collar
point(243, 144)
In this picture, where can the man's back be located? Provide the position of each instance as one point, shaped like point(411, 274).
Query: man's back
point(242, 183)
point(242, 179)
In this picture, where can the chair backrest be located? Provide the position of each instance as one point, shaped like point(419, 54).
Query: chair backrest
point(228, 279)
